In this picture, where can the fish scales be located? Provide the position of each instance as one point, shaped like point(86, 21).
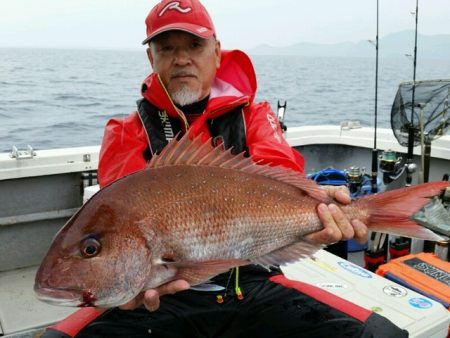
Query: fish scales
point(209, 213)
point(195, 212)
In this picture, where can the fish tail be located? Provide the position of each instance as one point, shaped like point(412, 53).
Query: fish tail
point(392, 211)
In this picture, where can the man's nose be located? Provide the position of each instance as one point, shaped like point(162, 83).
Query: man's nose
point(182, 57)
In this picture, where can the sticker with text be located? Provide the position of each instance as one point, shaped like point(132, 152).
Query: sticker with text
point(332, 286)
point(395, 291)
point(355, 269)
point(420, 303)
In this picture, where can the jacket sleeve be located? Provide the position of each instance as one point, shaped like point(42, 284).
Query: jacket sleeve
point(121, 153)
point(265, 139)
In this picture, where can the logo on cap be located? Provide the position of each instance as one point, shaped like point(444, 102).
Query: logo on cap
point(176, 6)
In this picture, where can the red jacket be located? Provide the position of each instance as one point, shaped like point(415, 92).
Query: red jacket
point(125, 140)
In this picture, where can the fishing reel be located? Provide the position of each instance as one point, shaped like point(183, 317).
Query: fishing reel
point(359, 183)
point(392, 168)
point(354, 179)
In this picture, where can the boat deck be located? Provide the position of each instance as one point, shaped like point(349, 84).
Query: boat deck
point(21, 312)
point(23, 315)
point(40, 193)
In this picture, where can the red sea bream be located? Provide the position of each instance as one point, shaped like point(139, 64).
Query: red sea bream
point(195, 212)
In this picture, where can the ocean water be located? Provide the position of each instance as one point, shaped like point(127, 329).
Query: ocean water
point(52, 98)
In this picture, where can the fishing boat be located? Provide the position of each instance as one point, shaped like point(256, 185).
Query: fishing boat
point(41, 189)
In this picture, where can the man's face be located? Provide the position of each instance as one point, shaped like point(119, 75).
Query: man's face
point(186, 63)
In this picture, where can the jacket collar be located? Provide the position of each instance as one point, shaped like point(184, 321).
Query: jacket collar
point(234, 85)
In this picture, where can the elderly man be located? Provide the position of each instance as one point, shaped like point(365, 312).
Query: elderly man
point(198, 87)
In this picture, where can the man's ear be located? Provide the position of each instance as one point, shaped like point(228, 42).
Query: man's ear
point(150, 56)
point(218, 52)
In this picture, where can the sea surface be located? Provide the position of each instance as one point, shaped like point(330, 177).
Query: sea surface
point(55, 98)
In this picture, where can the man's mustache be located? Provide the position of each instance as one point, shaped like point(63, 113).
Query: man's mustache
point(182, 73)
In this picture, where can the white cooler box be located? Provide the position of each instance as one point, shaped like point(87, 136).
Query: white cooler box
point(422, 317)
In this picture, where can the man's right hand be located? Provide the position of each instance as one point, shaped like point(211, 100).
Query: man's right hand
point(337, 226)
point(150, 298)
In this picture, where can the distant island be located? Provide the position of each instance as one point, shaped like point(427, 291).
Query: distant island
point(393, 45)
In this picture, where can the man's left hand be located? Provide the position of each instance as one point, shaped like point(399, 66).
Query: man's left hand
point(336, 224)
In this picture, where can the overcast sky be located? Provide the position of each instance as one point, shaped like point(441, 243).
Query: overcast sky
point(239, 23)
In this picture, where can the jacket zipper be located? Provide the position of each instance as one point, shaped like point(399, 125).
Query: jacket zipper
point(179, 112)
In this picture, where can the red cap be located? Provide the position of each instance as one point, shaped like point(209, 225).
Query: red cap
point(184, 15)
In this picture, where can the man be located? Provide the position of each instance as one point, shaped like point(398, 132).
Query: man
point(198, 87)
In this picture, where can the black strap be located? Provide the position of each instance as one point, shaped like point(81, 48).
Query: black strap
point(228, 129)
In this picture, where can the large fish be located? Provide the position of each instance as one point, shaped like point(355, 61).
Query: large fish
point(195, 212)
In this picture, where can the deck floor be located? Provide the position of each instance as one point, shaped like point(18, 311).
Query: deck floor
point(22, 315)
point(20, 310)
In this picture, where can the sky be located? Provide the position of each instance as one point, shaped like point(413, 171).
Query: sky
point(117, 24)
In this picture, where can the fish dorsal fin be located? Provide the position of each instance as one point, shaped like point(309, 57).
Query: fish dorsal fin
point(288, 254)
point(195, 152)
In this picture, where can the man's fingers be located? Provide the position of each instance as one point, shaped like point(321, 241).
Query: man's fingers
point(342, 195)
point(325, 215)
point(361, 232)
point(325, 236)
point(151, 300)
point(151, 297)
point(331, 232)
point(173, 287)
point(342, 222)
point(134, 303)
point(336, 225)
point(339, 193)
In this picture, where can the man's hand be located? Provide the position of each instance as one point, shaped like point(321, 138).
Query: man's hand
point(150, 298)
point(336, 224)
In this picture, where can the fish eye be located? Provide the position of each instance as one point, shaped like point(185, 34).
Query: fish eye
point(90, 248)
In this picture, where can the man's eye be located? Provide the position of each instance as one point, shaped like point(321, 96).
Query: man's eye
point(166, 49)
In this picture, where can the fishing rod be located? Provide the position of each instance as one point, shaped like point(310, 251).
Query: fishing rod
point(354, 174)
point(375, 254)
point(411, 131)
point(374, 185)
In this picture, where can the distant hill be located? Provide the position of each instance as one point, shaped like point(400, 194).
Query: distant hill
point(393, 45)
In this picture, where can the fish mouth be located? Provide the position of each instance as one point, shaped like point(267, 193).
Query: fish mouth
point(64, 296)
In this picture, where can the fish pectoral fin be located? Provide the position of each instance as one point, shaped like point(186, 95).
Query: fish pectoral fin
point(289, 253)
point(199, 272)
point(170, 257)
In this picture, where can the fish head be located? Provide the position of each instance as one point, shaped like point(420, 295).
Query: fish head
point(97, 259)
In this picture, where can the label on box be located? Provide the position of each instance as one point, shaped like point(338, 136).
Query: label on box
point(395, 291)
point(429, 270)
point(420, 303)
